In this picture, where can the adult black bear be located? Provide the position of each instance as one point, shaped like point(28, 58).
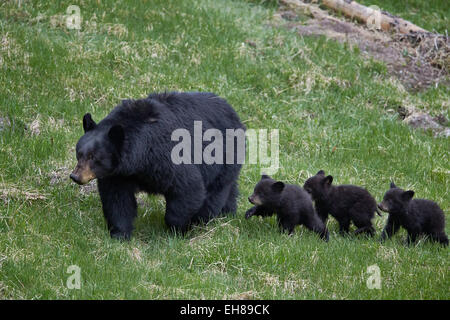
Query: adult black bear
point(417, 216)
point(292, 204)
point(131, 150)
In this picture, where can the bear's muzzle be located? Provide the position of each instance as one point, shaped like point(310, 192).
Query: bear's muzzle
point(383, 207)
point(82, 173)
point(254, 199)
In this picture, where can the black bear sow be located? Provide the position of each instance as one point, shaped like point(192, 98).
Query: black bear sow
point(292, 204)
point(417, 216)
point(132, 150)
point(346, 203)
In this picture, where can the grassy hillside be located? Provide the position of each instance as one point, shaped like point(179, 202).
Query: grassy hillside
point(333, 110)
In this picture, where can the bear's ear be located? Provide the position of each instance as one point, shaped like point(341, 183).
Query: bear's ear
point(153, 110)
point(328, 180)
point(265, 176)
point(116, 135)
point(407, 195)
point(393, 185)
point(321, 172)
point(278, 187)
point(153, 115)
point(88, 123)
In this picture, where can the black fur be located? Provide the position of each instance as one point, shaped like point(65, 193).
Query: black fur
point(291, 203)
point(130, 151)
point(417, 216)
point(346, 203)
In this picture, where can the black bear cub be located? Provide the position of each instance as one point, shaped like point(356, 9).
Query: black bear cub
point(291, 203)
point(417, 216)
point(346, 203)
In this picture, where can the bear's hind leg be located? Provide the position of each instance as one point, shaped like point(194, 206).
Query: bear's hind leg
point(213, 205)
point(362, 218)
point(441, 238)
point(181, 209)
point(315, 224)
point(231, 203)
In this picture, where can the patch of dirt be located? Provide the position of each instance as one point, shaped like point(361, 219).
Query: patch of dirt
point(421, 120)
point(418, 60)
point(8, 192)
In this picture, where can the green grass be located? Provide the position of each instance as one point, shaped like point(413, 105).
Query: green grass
point(333, 112)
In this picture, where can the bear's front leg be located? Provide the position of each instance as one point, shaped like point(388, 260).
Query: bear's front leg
point(250, 212)
point(344, 226)
point(261, 210)
point(413, 233)
point(390, 229)
point(322, 212)
point(119, 205)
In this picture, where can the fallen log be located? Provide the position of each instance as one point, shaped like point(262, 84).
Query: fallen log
point(372, 16)
point(307, 9)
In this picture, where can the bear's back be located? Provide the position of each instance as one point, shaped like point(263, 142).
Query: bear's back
point(293, 193)
point(427, 211)
point(348, 194)
point(213, 111)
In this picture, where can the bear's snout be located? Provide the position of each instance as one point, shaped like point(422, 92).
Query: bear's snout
point(75, 178)
point(382, 207)
point(82, 174)
point(254, 199)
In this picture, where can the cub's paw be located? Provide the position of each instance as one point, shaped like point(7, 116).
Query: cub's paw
point(250, 212)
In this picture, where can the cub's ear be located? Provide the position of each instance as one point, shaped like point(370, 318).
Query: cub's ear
point(278, 186)
point(407, 195)
point(88, 123)
point(393, 185)
point(328, 180)
point(116, 135)
point(321, 172)
point(265, 176)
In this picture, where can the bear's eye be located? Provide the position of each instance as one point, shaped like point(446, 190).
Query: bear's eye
point(90, 156)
